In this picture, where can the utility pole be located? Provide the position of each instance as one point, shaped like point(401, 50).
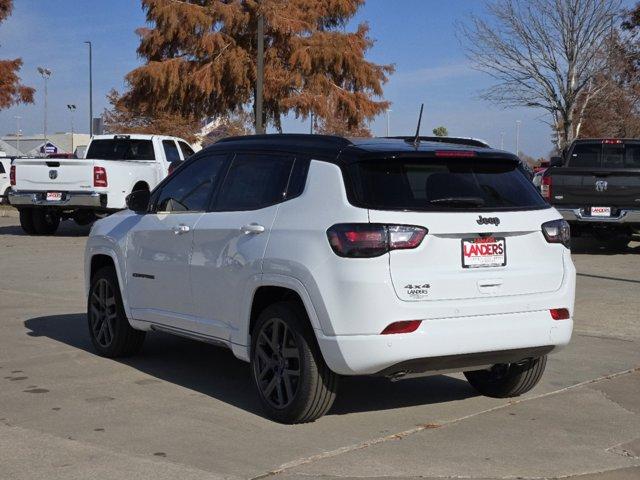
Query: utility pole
point(46, 74)
point(388, 130)
point(18, 133)
point(72, 108)
point(518, 122)
point(90, 87)
point(311, 124)
point(260, 74)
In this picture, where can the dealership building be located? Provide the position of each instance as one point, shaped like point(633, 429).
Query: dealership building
point(35, 145)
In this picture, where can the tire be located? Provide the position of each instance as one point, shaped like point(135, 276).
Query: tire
point(45, 222)
point(111, 334)
point(307, 392)
point(620, 242)
point(26, 221)
point(508, 380)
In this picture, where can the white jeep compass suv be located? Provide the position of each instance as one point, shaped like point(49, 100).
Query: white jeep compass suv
point(314, 257)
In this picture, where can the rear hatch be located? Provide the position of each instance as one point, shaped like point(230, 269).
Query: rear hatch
point(59, 175)
point(599, 173)
point(484, 227)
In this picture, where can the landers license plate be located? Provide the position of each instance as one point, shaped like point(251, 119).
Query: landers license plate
point(484, 252)
point(54, 196)
point(600, 211)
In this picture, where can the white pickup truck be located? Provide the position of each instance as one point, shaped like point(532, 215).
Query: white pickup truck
point(47, 190)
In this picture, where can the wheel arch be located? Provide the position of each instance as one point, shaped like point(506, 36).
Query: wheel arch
point(98, 257)
point(267, 290)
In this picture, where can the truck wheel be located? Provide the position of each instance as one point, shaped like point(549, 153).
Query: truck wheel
point(294, 383)
point(111, 334)
point(508, 379)
point(45, 222)
point(26, 221)
point(620, 242)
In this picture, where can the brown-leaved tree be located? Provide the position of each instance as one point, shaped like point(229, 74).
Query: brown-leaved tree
point(201, 60)
point(12, 91)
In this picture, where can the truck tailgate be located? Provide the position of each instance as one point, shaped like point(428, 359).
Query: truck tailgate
point(41, 174)
point(595, 187)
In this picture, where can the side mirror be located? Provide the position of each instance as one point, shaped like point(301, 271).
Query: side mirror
point(556, 162)
point(138, 201)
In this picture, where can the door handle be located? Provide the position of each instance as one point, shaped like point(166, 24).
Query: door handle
point(180, 229)
point(252, 228)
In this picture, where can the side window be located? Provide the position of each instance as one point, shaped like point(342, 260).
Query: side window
point(2, 168)
point(254, 181)
point(187, 151)
point(190, 189)
point(171, 151)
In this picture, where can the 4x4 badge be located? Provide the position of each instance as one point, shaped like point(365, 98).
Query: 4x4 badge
point(488, 220)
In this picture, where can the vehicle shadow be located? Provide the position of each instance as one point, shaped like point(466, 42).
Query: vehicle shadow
point(215, 372)
point(591, 246)
point(67, 228)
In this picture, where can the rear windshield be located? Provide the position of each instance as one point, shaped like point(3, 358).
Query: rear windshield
point(438, 184)
point(596, 155)
point(121, 149)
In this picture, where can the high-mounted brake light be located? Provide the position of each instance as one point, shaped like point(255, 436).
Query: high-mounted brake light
point(12, 175)
point(560, 313)
point(557, 231)
point(455, 153)
point(405, 326)
point(612, 141)
point(366, 240)
point(100, 177)
point(545, 188)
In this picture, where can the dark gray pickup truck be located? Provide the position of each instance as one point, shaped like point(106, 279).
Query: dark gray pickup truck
point(596, 188)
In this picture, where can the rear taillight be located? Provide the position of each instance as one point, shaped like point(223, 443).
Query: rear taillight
point(12, 175)
point(557, 231)
point(366, 240)
point(99, 177)
point(545, 188)
point(560, 313)
point(404, 326)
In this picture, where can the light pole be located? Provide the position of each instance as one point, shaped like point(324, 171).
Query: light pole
point(501, 140)
point(18, 133)
point(72, 108)
point(518, 122)
point(311, 124)
point(46, 74)
point(260, 74)
point(90, 87)
point(388, 112)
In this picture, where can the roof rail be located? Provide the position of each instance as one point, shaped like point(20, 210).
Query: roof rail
point(472, 142)
point(327, 141)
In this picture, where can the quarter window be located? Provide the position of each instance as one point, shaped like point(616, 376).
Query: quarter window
point(190, 189)
point(187, 151)
point(2, 168)
point(255, 181)
point(171, 151)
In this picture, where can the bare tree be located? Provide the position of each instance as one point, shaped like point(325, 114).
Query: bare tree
point(542, 54)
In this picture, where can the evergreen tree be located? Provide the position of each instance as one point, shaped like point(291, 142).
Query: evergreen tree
point(441, 131)
point(201, 60)
point(12, 91)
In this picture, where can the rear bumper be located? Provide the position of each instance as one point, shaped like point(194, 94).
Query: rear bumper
point(447, 344)
point(69, 199)
point(624, 217)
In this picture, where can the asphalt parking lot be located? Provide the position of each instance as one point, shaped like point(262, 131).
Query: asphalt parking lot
point(187, 410)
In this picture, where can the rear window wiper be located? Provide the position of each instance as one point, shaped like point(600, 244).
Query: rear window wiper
point(458, 201)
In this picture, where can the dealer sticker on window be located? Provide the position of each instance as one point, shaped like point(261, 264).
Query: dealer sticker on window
point(484, 252)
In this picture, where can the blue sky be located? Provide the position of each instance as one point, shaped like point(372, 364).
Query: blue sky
point(418, 36)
